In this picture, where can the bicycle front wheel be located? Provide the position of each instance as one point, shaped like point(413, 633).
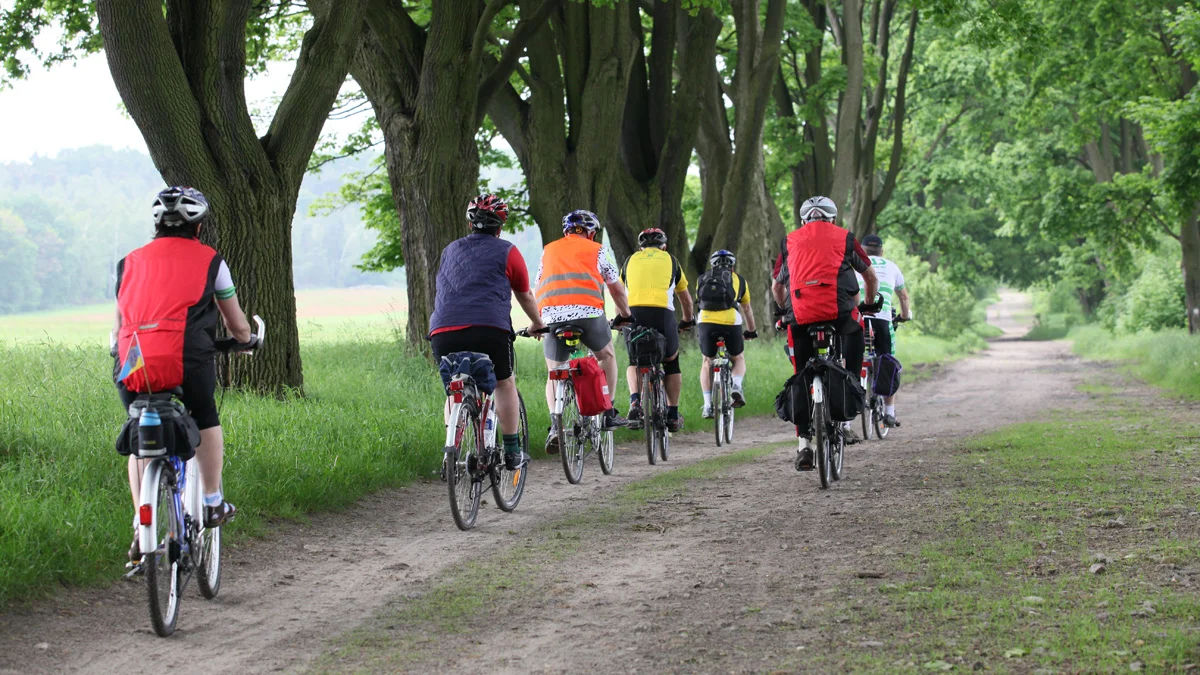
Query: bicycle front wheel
point(460, 462)
point(649, 416)
point(821, 441)
point(508, 486)
point(606, 451)
point(571, 442)
point(163, 578)
point(865, 417)
point(881, 429)
point(837, 453)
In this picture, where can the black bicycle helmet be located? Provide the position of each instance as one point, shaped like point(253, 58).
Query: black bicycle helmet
point(652, 237)
point(178, 205)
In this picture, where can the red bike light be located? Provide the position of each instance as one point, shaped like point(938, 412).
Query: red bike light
point(145, 515)
point(560, 374)
point(456, 385)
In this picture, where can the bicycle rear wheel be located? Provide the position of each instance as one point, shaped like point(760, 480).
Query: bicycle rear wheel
point(728, 405)
point(460, 460)
point(821, 441)
point(881, 429)
point(508, 486)
point(718, 406)
point(650, 416)
point(164, 581)
point(571, 442)
point(865, 416)
point(660, 428)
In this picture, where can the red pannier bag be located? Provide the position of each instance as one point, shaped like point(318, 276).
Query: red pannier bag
point(591, 389)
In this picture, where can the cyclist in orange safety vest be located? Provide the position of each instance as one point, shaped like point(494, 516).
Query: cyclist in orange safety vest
point(570, 286)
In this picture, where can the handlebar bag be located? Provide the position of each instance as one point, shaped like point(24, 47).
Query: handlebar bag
point(591, 389)
point(887, 381)
point(646, 346)
point(474, 364)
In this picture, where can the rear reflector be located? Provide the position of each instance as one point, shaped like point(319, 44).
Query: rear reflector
point(145, 515)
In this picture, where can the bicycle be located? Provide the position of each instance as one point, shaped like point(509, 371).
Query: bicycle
point(654, 405)
point(874, 408)
point(578, 435)
point(827, 435)
point(722, 400)
point(171, 530)
point(472, 455)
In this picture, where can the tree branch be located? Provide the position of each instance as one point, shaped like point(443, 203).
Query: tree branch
point(941, 134)
point(894, 163)
point(511, 57)
point(321, 68)
point(484, 27)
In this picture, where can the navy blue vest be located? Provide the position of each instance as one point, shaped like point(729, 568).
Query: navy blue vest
point(472, 284)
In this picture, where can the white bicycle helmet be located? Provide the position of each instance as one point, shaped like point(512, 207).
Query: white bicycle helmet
point(178, 205)
point(818, 208)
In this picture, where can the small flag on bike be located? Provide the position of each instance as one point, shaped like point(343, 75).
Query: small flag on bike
point(133, 360)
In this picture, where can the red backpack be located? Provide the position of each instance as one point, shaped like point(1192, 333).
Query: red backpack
point(591, 389)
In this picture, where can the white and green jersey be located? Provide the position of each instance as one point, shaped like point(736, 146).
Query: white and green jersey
point(891, 279)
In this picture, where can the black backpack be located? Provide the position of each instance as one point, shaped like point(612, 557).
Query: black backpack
point(715, 290)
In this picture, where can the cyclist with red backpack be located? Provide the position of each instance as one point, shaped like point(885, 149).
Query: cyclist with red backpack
point(169, 295)
point(721, 293)
point(476, 281)
point(818, 273)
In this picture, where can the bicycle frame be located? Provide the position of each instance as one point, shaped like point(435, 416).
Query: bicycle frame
point(460, 392)
point(187, 499)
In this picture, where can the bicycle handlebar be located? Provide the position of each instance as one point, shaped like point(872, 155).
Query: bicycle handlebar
point(619, 322)
point(526, 333)
point(256, 341)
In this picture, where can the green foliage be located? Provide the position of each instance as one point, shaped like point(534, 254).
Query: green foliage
point(1155, 299)
point(22, 21)
point(1168, 358)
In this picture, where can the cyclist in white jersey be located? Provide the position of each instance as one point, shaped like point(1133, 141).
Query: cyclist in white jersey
point(891, 282)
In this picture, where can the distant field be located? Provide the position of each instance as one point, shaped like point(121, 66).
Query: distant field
point(325, 315)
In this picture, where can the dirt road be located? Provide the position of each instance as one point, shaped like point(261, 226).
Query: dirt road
point(692, 587)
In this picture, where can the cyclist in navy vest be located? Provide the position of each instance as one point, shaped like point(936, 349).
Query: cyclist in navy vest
point(169, 295)
point(472, 310)
point(817, 271)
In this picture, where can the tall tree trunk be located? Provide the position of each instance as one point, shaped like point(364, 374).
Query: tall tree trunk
point(1190, 240)
point(850, 106)
point(181, 76)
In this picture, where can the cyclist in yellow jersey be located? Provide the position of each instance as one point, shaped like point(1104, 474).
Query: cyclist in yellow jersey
point(654, 279)
point(721, 293)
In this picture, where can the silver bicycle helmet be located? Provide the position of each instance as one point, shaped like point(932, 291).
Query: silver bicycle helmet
point(818, 208)
point(178, 205)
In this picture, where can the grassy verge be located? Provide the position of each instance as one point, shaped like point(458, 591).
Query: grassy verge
point(1169, 358)
point(411, 629)
point(372, 419)
point(1073, 550)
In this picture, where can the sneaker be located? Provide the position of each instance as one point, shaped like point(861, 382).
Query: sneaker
point(552, 442)
point(514, 460)
point(613, 420)
point(706, 412)
point(804, 460)
point(216, 516)
point(675, 424)
point(635, 416)
point(135, 550)
point(739, 399)
point(851, 436)
point(890, 422)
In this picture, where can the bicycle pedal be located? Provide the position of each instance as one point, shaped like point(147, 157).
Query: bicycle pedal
point(135, 569)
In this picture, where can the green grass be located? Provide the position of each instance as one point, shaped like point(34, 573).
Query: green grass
point(1169, 358)
point(372, 419)
point(1006, 580)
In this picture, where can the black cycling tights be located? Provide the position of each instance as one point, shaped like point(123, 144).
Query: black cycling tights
point(852, 343)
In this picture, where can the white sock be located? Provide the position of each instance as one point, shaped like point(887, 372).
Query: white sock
point(889, 410)
point(707, 398)
point(737, 380)
point(805, 443)
point(213, 499)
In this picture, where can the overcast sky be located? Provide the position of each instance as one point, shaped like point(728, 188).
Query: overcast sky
point(75, 105)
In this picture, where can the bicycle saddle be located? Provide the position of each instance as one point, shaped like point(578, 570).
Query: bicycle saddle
point(569, 333)
point(821, 328)
point(177, 392)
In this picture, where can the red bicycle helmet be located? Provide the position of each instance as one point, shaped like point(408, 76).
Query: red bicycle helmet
point(487, 211)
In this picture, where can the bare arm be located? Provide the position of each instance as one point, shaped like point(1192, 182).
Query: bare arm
point(779, 292)
point(112, 337)
point(748, 312)
point(685, 304)
point(235, 319)
point(529, 305)
point(872, 284)
point(905, 312)
point(620, 297)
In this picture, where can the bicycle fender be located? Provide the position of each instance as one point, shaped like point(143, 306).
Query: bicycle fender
point(818, 390)
point(150, 479)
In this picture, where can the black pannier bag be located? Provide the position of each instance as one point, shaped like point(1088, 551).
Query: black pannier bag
point(180, 433)
point(887, 379)
point(646, 346)
point(843, 395)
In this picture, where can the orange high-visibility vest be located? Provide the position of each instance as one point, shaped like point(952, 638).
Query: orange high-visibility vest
point(570, 275)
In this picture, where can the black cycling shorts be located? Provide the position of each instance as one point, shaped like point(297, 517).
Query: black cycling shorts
point(709, 332)
point(662, 320)
point(199, 395)
point(495, 342)
point(883, 335)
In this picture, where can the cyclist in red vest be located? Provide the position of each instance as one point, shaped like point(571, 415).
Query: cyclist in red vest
point(169, 294)
point(818, 274)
